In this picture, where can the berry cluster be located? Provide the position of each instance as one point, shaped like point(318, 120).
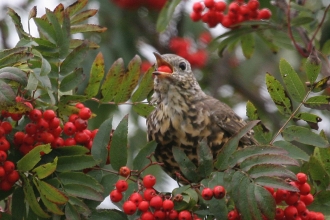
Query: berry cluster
point(291, 205)
point(45, 128)
point(194, 53)
point(237, 12)
point(217, 192)
point(8, 174)
point(134, 4)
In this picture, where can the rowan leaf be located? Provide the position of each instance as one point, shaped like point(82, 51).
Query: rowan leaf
point(46, 30)
point(7, 95)
point(187, 167)
point(145, 87)
point(217, 207)
point(44, 170)
point(102, 214)
point(18, 206)
point(107, 182)
point(278, 95)
point(269, 41)
point(248, 45)
point(141, 160)
point(323, 155)
point(71, 150)
point(321, 102)
point(50, 192)
point(265, 201)
point(318, 173)
point(82, 16)
point(205, 160)
point(143, 109)
point(310, 118)
point(312, 67)
point(95, 77)
point(166, 14)
point(18, 24)
point(271, 170)
point(71, 212)
point(321, 85)
point(294, 151)
point(52, 207)
point(15, 58)
point(72, 80)
point(31, 159)
point(83, 28)
point(275, 182)
point(81, 179)
point(84, 192)
point(76, 162)
point(249, 162)
point(76, 6)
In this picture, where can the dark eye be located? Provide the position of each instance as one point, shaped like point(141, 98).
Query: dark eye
point(182, 66)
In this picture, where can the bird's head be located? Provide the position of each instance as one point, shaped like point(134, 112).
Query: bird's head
point(173, 71)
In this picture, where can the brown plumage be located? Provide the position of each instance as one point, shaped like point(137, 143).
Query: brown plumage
point(185, 115)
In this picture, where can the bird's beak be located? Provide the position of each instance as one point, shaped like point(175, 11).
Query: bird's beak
point(161, 65)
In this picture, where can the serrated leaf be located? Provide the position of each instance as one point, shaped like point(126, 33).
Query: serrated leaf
point(44, 170)
point(60, 39)
point(100, 214)
point(321, 198)
point(82, 16)
point(145, 87)
point(76, 162)
point(66, 35)
point(112, 81)
point(249, 162)
point(299, 21)
point(72, 150)
point(312, 67)
point(143, 109)
point(187, 167)
point(229, 148)
point(27, 162)
point(79, 204)
point(318, 173)
point(166, 14)
point(321, 102)
point(17, 21)
point(58, 11)
point(141, 160)
point(83, 28)
point(205, 160)
point(45, 29)
point(269, 42)
point(294, 151)
point(304, 135)
point(81, 179)
point(323, 155)
point(275, 182)
point(252, 205)
point(76, 6)
point(14, 58)
point(14, 74)
point(248, 45)
point(18, 207)
point(321, 85)
point(73, 60)
point(84, 192)
point(278, 95)
point(101, 141)
point(129, 80)
point(7, 52)
point(241, 200)
point(95, 77)
point(218, 208)
point(72, 80)
point(118, 147)
point(265, 201)
point(50, 192)
point(52, 207)
point(271, 170)
point(292, 81)
point(243, 153)
point(71, 212)
point(310, 118)
point(77, 42)
point(107, 182)
point(216, 178)
point(7, 95)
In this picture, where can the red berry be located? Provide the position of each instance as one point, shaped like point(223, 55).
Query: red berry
point(47, 137)
point(73, 117)
point(2, 172)
point(129, 207)
point(69, 142)
point(226, 21)
point(54, 123)
point(147, 216)
point(156, 202)
point(19, 138)
point(164, 69)
point(55, 131)
point(143, 206)
point(124, 171)
point(220, 6)
point(304, 189)
point(159, 215)
point(253, 5)
point(121, 185)
point(149, 181)
point(168, 205)
point(31, 128)
point(185, 215)
point(80, 124)
point(85, 113)
point(209, 3)
point(69, 128)
point(195, 16)
point(5, 185)
point(265, 14)
point(35, 115)
point(148, 194)
point(6, 126)
point(49, 115)
point(94, 132)
point(198, 7)
point(302, 177)
point(282, 194)
point(292, 198)
point(173, 214)
point(81, 137)
point(4, 144)
point(301, 207)
point(233, 7)
point(207, 193)
point(3, 156)
point(279, 214)
point(15, 116)
point(116, 196)
point(136, 198)
point(232, 215)
point(307, 199)
point(2, 131)
point(80, 105)
point(219, 192)
point(9, 166)
point(58, 142)
point(42, 124)
point(291, 212)
point(13, 177)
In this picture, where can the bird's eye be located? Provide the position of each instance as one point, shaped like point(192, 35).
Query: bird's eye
point(182, 66)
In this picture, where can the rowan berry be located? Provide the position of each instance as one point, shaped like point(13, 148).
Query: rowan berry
point(136, 198)
point(209, 3)
point(302, 177)
point(69, 142)
point(253, 5)
point(73, 117)
point(226, 21)
point(6, 126)
point(55, 131)
point(124, 171)
point(220, 6)
point(143, 206)
point(156, 202)
point(198, 7)
point(207, 193)
point(4, 144)
point(80, 105)
point(116, 196)
point(147, 216)
point(2, 131)
point(168, 205)
point(69, 128)
point(173, 214)
point(9, 166)
point(121, 185)
point(129, 207)
point(307, 199)
point(19, 137)
point(159, 215)
point(232, 215)
point(80, 124)
point(301, 207)
point(81, 137)
point(282, 194)
point(304, 215)
point(5, 185)
point(219, 192)
point(85, 113)
point(265, 14)
point(2, 172)
point(28, 139)
point(15, 116)
point(149, 181)
point(47, 137)
point(54, 123)
point(292, 198)
point(58, 142)
point(3, 156)
point(234, 7)
point(31, 128)
point(12, 177)
point(49, 115)
point(35, 115)
point(279, 214)
point(304, 189)
point(42, 124)
point(185, 215)
point(195, 16)
point(291, 212)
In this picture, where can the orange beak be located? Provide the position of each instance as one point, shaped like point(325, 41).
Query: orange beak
point(161, 63)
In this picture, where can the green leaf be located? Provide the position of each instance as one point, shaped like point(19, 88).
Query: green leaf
point(83, 28)
point(187, 167)
point(321, 202)
point(96, 75)
point(278, 94)
point(311, 119)
point(292, 81)
point(249, 162)
point(76, 162)
point(205, 160)
point(7, 52)
point(269, 41)
point(145, 87)
point(77, 42)
point(32, 200)
point(318, 102)
point(118, 147)
point(82, 16)
point(71, 212)
point(141, 160)
point(321, 85)
point(216, 178)
point(265, 201)
point(129, 81)
point(46, 30)
point(218, 208)
point(304, 135)
point(101, 141)
point(326, 47)
point(15, 58)
point(59, 37)
point(44, 170)
point(241, 191)
point(229, 148)
point(32, 158)
point(17, 21)
point(108, 181)
point(79, 204)
point(50, 192)
point(318, 173)
point(107, 214)
point(72, 80)
point(299, 21)
point(72, 150)
point(294, 151)
point(14, 74)
point(18, 208)
point(81, 179)
point(275, 182)
point(76, 6)
point(111, 84)
point(271, 170)
point(84, 192)
point(74, 59)
point(166, 14)
point(248, 45)
point(312, 67)
point(323, 155)
point(52, 207)
point(143, 109)
point(66, 36)
point(251, 204)
point(7, 95)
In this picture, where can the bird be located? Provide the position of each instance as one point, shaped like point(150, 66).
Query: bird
point(184, 115)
